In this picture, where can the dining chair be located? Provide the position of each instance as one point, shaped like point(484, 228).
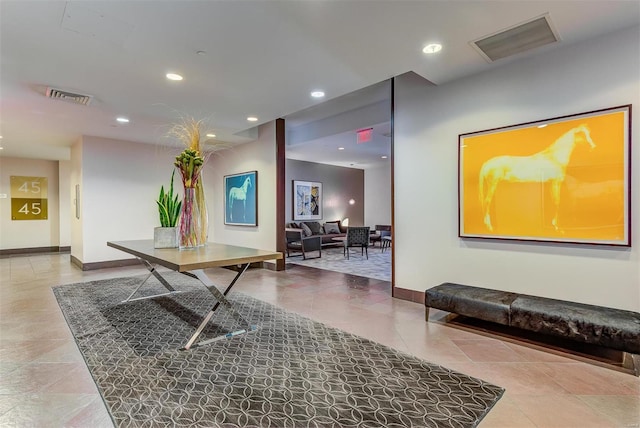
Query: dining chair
point(357, 237)
point(386, 242)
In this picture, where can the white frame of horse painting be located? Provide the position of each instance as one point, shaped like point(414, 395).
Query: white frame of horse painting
point(564, 179)
point(306, 206)
point(241, 198)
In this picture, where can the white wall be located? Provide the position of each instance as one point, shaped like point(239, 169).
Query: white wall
point(66, 202)
point(377, 195)
point(120, 183)
point(29, 233)
point(573, 79)
point(75, 179)
point(260, 156)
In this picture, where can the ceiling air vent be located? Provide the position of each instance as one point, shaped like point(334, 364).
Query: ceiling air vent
point(523, 37)
point(59, 94)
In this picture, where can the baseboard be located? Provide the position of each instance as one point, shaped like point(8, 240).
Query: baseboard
point(34, 250)
point(269, 266)
point(104, 265)
point(238, 267)
point(410, 295)
point(276, 266)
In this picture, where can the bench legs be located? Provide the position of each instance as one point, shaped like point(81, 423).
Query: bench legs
point(629, 361)
point(632, 362)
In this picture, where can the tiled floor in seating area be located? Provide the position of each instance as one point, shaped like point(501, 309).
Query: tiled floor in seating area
point(45, 383)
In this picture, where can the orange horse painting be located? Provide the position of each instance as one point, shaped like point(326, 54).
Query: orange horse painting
point(548, 165)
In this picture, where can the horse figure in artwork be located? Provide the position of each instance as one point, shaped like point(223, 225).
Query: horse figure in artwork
point(549, 164)
point(239, 194)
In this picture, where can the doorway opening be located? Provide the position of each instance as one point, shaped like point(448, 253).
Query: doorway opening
point(344, 146)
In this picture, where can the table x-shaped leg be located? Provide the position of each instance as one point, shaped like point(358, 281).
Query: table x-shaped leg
point(221, 300)
point(152, 271)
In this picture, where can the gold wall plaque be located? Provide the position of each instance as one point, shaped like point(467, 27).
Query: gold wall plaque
point(29, 209)
point(29, 198)
point(29, 187)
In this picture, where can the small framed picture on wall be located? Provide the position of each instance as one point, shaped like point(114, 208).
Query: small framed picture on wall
point(241, 199)
point(307, 200)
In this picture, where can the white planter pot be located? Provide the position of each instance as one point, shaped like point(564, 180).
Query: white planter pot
point(165, 237)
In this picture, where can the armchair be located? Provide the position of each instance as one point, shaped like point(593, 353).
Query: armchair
point(357, 237)
point(381, 230)
point(296, 241)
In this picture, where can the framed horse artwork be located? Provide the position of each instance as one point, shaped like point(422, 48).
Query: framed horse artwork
point(565, 179)
point(241, 199)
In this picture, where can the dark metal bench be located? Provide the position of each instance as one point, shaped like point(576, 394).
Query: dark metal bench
point(608, 327)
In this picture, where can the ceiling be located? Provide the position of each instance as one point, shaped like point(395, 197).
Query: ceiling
point(245, 58)
point(327, 132)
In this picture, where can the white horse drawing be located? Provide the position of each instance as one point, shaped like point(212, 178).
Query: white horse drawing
point(239, 194)
point(549, 164)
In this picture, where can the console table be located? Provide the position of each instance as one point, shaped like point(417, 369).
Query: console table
point(192, 263)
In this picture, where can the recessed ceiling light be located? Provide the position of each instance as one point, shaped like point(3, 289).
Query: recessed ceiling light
point(340, 148)
point(252, 119)
point(211, 135)
point(122, 120)
point(383, 157)
point(317, 94)
point(174, 76)
point(432, 48)
point(0, 137)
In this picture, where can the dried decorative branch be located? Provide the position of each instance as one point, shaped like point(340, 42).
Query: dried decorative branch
point(189, 132)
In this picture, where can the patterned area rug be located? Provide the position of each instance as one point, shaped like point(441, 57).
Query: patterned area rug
point(378, 266)
point(291, 372)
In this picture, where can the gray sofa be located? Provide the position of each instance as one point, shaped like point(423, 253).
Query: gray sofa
point(315, 228)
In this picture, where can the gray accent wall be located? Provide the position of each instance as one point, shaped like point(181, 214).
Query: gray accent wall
point(339, 185)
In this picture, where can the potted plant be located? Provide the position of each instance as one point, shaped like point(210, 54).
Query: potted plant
point(169, 204)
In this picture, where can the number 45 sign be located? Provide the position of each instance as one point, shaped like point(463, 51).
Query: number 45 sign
point(28, 198)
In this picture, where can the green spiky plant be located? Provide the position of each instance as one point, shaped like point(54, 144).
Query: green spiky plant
point(169, 205)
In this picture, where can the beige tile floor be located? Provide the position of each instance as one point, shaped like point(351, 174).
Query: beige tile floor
point(44, 382)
